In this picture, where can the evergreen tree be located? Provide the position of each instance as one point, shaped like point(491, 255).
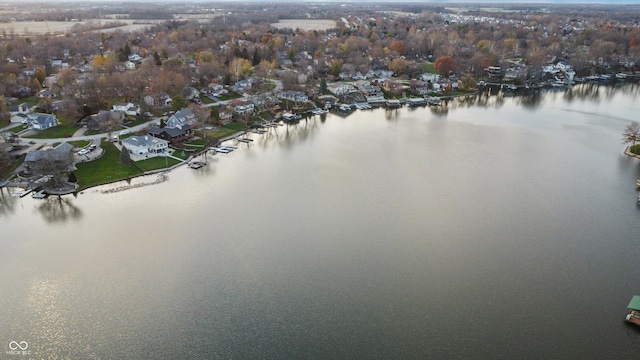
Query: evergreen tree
point(125, 157)
point(156, 57)
point(215, 113)
point(323, 86)
point(256, 58)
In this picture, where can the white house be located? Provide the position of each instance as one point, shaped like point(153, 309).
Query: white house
point(128, 108)
point(145, 144)
point(292, 95)
point(130, 65)
point(242, 106)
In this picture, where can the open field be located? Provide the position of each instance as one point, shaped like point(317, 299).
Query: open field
point(60, 27)
point(305, 24)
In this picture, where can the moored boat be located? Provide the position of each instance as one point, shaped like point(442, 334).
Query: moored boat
point(634, 310)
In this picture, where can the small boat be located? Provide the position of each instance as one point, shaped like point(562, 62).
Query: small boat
point(291, 117)
point(221, 150)
point(634, 310)
point(318, 111)
point(197, 164)
point(345, 108)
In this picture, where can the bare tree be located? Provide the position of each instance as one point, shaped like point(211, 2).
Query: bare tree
point(631, 133)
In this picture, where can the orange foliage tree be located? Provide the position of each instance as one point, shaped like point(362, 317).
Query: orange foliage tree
point(444, 65)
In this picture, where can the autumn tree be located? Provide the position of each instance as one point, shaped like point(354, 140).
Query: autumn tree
point(41, 75)
point(267, 68)
point(444, 65)
point(397, 46)
point(240, 68)
point(467, 82)
point(398, 66)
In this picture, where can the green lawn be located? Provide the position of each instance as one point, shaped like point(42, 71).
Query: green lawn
point(226, 130)
point(229, 96)
point(156, 163)
point(106, 169)
point(17, 129)
point(60, 131)
point(196, 143)
point(206, 100)
point(635, 149)
point(80, 143)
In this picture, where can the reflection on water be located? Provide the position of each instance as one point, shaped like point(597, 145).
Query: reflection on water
point(7, 202)
point(56, 209)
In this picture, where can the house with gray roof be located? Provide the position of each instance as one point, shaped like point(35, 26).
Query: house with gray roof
point(40, 121)
point(145, 144)
point(180, 118)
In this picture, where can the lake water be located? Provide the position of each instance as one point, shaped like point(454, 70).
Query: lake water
point(493, 228)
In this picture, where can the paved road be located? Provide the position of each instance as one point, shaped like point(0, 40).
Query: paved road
point(88, 137)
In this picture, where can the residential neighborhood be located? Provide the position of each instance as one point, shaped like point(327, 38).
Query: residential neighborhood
point(180, 83)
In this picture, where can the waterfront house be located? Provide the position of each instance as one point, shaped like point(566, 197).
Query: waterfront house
point(173, 135)
point(242, 106)
point(295, 96)
point(61, 158)
point(225, 117)
point(181, 118)
point(145, 144)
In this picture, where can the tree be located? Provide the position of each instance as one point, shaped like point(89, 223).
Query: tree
point(240, 68)
point(215, 113)
point(467, 82)
point(398, 66)
point(156, 57)
point(397, 46)
point(41, 75)
point(125, 157)
point(631, 133)
point(178, 102)
point(444, 65)
point(323, 85)
point(267, 68)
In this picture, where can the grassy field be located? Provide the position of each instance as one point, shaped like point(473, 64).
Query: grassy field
point(17, 129)
point(106, 169)
point(156, 163)
point(80, 143)
point(60, 131)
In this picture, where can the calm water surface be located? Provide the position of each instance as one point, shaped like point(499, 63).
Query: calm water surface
point(492, 228)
